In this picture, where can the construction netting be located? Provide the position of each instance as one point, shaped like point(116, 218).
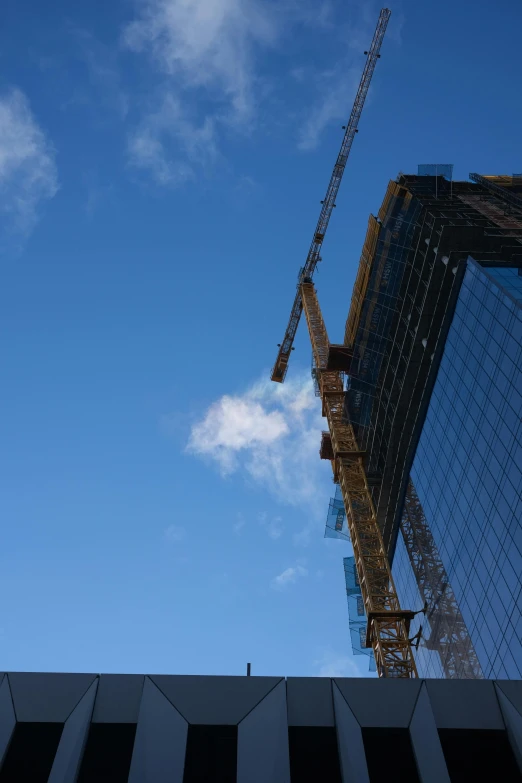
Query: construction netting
point(336, 527)
point(356, 613)
point(315, 377)
point(336, 524)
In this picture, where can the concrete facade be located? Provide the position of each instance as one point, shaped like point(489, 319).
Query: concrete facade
point(258, 729)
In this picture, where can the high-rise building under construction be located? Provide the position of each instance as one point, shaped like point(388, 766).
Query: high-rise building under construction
point(434, 345)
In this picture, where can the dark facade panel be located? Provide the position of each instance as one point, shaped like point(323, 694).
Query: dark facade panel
point(31, 752)
point(294, 733)
point(314, 754)
point(108, 753)
point(211, 754)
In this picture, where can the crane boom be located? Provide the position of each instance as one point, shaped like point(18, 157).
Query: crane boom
point(328, 204)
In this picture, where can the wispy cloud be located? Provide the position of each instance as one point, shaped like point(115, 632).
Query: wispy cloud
point(28, 174)
point(98, 194)
point(335, 664)
point(239, 524)
point(174, 533)
point(337, 90)
point(288, 576)
point(208, 60)
point(332, 90)
point(170, 145)
point(104, 74)
point(271, 433)
point(272, 525)
point(204, 52)
point(207, 44)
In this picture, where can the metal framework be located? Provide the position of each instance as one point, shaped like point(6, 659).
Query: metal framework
point(490, 184)
point(490, 207)
point(388, 625)
point(328, 204)
point(449, 634)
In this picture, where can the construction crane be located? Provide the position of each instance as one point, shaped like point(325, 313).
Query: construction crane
point(388, 625)
point(328, 203)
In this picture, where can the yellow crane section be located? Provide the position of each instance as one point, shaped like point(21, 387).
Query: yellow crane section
point(388, 625)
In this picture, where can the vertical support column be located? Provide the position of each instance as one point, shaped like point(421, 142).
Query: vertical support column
point(262, 741)
point(349, 740)
point(427, 749)
point(72, 742)
point(513, 722)
point(161, 740)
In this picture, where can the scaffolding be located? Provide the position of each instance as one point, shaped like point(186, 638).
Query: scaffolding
point(500, 185)
point(449, 635)
point(498, 213)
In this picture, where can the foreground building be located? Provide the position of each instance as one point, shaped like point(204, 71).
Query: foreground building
point(64, 728)
point(435, 398)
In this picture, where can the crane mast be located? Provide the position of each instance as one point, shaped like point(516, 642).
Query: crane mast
point(328, 203)
point(388, 625)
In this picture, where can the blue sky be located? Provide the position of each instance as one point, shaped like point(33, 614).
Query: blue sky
point(161, 167)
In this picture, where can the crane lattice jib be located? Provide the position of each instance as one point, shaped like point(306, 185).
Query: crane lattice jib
point(388, 624)
point(314, 254)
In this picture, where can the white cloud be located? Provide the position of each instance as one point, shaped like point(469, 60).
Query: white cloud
point(334, 664)
point(174, 533)
point(169, 145)
point(288, 577)
point(239, 524)
point(206, 44)
point(205, 51)
point(209, 60)
point(233, 424)
point(272, 434)
point(336, 87)
point(28, 173)
point(337, 90)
